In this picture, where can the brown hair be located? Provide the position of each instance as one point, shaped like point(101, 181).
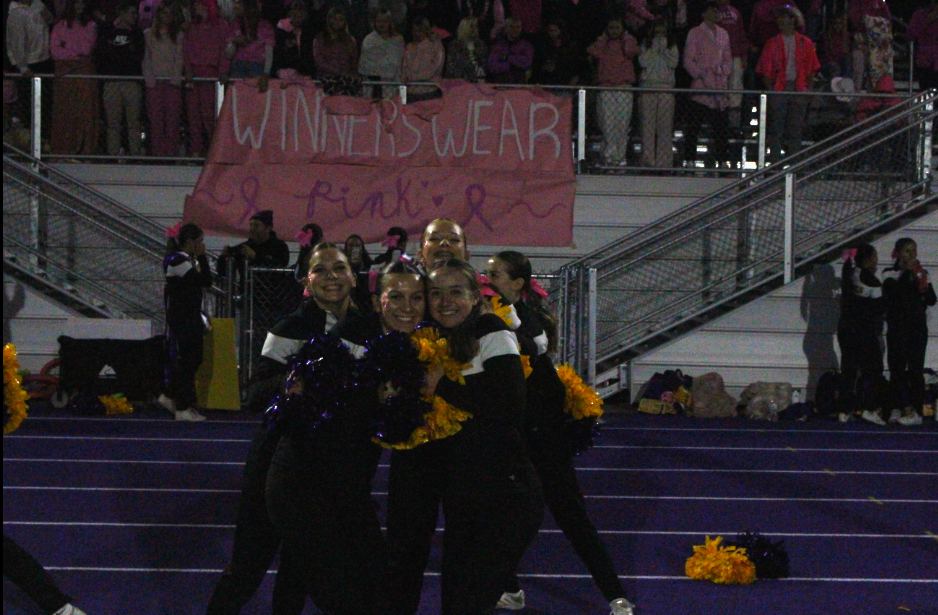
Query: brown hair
point(519, 266)
point(463, 344)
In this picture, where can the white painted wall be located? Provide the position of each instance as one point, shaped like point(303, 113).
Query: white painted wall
point(788, 336)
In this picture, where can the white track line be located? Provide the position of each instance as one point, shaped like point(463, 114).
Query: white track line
point(217, 526)
point(720, 470)
point(678, 498)
point(884, 432)
point(525, 576)
point(782, 449)
point(598, 446)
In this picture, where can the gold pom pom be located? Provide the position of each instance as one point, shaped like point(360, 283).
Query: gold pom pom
point(582, 401)
point(728, 565)
point(14, 395)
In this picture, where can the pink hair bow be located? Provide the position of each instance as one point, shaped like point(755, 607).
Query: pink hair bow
point(285, 24)
point(305, 237)
point(372, 282)
point(850, 254)
point(667, 397)
point(173, 231)
point(486, 285)
point(391, 241)
point(537, 288)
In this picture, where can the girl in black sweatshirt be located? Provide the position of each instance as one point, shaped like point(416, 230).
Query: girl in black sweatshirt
point(187, 273)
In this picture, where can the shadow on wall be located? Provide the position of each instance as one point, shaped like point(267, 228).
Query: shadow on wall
point(11, 307)
point(820, 309)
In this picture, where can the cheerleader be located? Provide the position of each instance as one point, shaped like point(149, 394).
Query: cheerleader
point(908, 293)
point(318, 488)
point(509, 272)
point(187, 273)
point(256, 540)
point(860, 332)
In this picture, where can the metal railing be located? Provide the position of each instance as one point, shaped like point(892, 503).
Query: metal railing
point(743, 241)
point(81, 245)
point(745, 149)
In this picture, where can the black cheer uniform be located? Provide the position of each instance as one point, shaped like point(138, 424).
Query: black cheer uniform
point(491, 499)
point(859, 334)
point(906, 336)
point(319, 499)
point(182, 298)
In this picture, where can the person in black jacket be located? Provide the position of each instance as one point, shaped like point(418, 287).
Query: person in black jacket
point(509, 272)
point(187, 273)
point(860, 334)
point(262, 249)
point(256, 540)
point(318, 488)
point(908, 293)
point(119, 52)
point(491, 497)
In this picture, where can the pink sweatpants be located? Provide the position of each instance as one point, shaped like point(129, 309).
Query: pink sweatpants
point(164, 107)
point(200, 110)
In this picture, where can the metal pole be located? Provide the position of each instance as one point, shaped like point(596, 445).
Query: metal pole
point(789, 227)
point(36, 134)
point(581, 128)
point(927, 142)
point(219, 97)
point(763, 114)
point(403, 90)
point(591, 353)
point(911, 65)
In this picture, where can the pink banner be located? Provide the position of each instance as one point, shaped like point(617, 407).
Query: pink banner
point(499, 162)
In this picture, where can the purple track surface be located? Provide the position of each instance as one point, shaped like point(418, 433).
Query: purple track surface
point(133, 515)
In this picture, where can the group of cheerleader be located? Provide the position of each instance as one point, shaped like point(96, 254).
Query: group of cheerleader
point(450, 371)
point(901, 298)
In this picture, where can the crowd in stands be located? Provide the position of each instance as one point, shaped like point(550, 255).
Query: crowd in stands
point(705, 44)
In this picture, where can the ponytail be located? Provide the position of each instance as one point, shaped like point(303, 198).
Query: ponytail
point(180, 234)
point(519, 266)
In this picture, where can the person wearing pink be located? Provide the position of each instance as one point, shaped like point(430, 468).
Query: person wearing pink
point(730, 20)
point(788, 63)
point(75, 101)
point(423, 61)
point(923, 29)
point(636, 13)
point(162, 76)
point(658, 59)
point(614, 52)
point(708, 59)
point(250, 42)
point(204, 55)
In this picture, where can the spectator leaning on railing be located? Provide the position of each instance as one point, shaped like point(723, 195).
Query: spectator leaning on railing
point(423, 61)
point(511, 56)
point(382, 53)
point(204, 52)
point(614, 52)
point(120, 53)
point(467, 53)
point(75, 101)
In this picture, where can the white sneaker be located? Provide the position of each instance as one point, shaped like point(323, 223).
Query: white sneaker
point(166, 402)
point(845, 417)
point(872, 417)
point(910, 419)
point(68, 609)
point(511, 601)
point(189, 414)
point(621, 606)
point(895, 415)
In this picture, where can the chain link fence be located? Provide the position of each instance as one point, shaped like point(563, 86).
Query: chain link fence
point(268, 295)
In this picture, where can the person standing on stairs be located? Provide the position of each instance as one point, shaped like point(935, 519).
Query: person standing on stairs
point(187, 273)
point(908, 294)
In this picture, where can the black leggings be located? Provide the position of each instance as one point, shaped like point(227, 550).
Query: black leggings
point(256, 542)
point(564, 499)
point(25, 572)
point(185, 357)
point(905, 355)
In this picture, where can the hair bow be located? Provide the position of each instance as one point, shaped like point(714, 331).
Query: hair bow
point(372, 282)
point(285, 24)
point(305, 237)
point(850, 254)
point(537, 288)
point(173, 231)
point(391, 241)
point(485, 285)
